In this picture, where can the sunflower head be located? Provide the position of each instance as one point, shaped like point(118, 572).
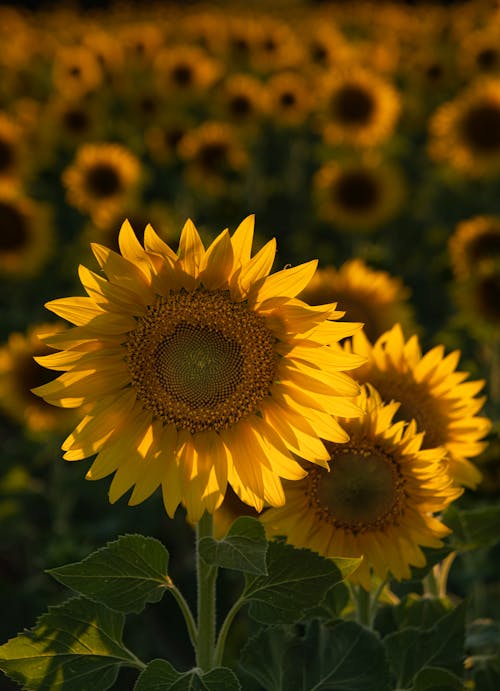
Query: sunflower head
point(199, 368)
point(432, 393)
point(373, 500)
point(475, 241)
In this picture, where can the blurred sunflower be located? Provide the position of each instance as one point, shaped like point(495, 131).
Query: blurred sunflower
point(199, 369)
point(465, 132)
point(372, 297)
point(69, 122)
point(478, 296)
point(141, 42)
point(358, 195)
point(358, 107)
point(76, 71)
point(375, 499)
point(26, 233)
point(184, 71)
point(239, 41)
point(289, 98)
point(480, 53)
point(240, 99)
point(474, 241)
point(213, 155)
point(108, 51)
point(432, 393)
point(277, 46)
point(324, 44)
point(101, 180)
point(11, 149)
point(19, 373)
point(162, 139)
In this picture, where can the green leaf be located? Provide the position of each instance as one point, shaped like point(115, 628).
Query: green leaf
point(343, 656)
point(75, 646)
point(433, 556)
point(420, 612)
point(487, 675)
point(437, 679)
point(332, 605)
point(473, 528)
point(124, 575)
point(243, 549)
point(412, 649)
point(159, 675)
point(297, 580)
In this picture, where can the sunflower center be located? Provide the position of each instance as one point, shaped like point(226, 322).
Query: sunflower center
point(76, 121)
point(487, 58)
point(6, 155)
point(201, 361)
point(353, 105)
point(356, 190)
point(288, 99)
point(103, 180)
point(481, 127)
point(486, 292)
point(240, 105)
point(182, 75)
point(362, 491)
point(13, 228)
point(213, 156)
point(483, 246)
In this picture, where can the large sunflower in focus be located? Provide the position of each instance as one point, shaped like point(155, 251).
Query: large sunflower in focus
point(465, 132)
point(374, 500)
point(199, 369)
point(432, 393)
point(364, 294)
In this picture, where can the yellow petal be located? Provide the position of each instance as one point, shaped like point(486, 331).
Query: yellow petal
point(242, 240)
point(153, 243)
point(131, 249)
point(118, 269)
point(191, 250)
point(256, 269)
point(288, 282)
point(161, 454)
point(217, 264)
point(77, 310)
point(113, 297)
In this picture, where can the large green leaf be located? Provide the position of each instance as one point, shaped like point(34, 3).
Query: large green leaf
point(297, 580)
point(75, 646)
point(243, 549)
point(420, 612)
point(159, 675)
point(442, 645)
point(124, 575)
point(437, 679)
point(343, 656)
point(473, 528)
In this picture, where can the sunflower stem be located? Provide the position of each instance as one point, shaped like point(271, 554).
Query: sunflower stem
point(207, 576)
point(363, 604)
point(224, 630)
point(186, 613)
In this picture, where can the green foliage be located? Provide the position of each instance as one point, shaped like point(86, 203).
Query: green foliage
point(412, 649)
point(124, 575)
point(343, 656)
point(159, 675)
point(297, 580)
point(75, 646)
point(437, 679)
point(473, 528)
point(243, 549)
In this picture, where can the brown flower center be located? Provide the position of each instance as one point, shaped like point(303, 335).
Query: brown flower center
point(103, 180)
point(481, 128)
point(6, 155)
point(13, 227)
point(356, 191)
point(200, 360)
point(364, 489)
point(353, 105)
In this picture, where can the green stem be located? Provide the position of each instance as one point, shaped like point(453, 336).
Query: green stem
point(207, 576)
point(444, 572)
point(186, 613)
point(221, 641)
point(363, 605)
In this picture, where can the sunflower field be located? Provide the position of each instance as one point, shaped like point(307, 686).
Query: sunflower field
point(250, 346)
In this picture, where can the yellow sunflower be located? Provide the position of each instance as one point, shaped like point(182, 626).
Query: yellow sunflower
point(102, 179)
point(480, 52)
point(76, 71)
point(358, 195)
point(374, 500)
point(19, 373)
point(358, 107)
point(475, 241)
point(26, 233)
point(162, 138)
point(373, 297)
point(241, 99)
point(290, 99)
point(199, 369)
point(465, 132)
point(432, 393)
point(214, 156)
point(184, 71)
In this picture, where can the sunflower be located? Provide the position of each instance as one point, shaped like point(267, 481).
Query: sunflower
point(364, 294)
point(481, 52)
point(214, 156)
point(199, 369)
point(184, 71)
point(432, 393)
point(358, 107)
point(76, 71)
point(276, 46)
point(26, 235)
point(325, 45)
point(465, 132)
point(289, 98)
point(478, 296)
point(19, 373)
point(358, 195)
point(141, 42)
point(69, 122)
point(374, 500)
point(241, 99)
point(11, 149)
point(474, 241)
point(162, 138)
point(101, 179)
